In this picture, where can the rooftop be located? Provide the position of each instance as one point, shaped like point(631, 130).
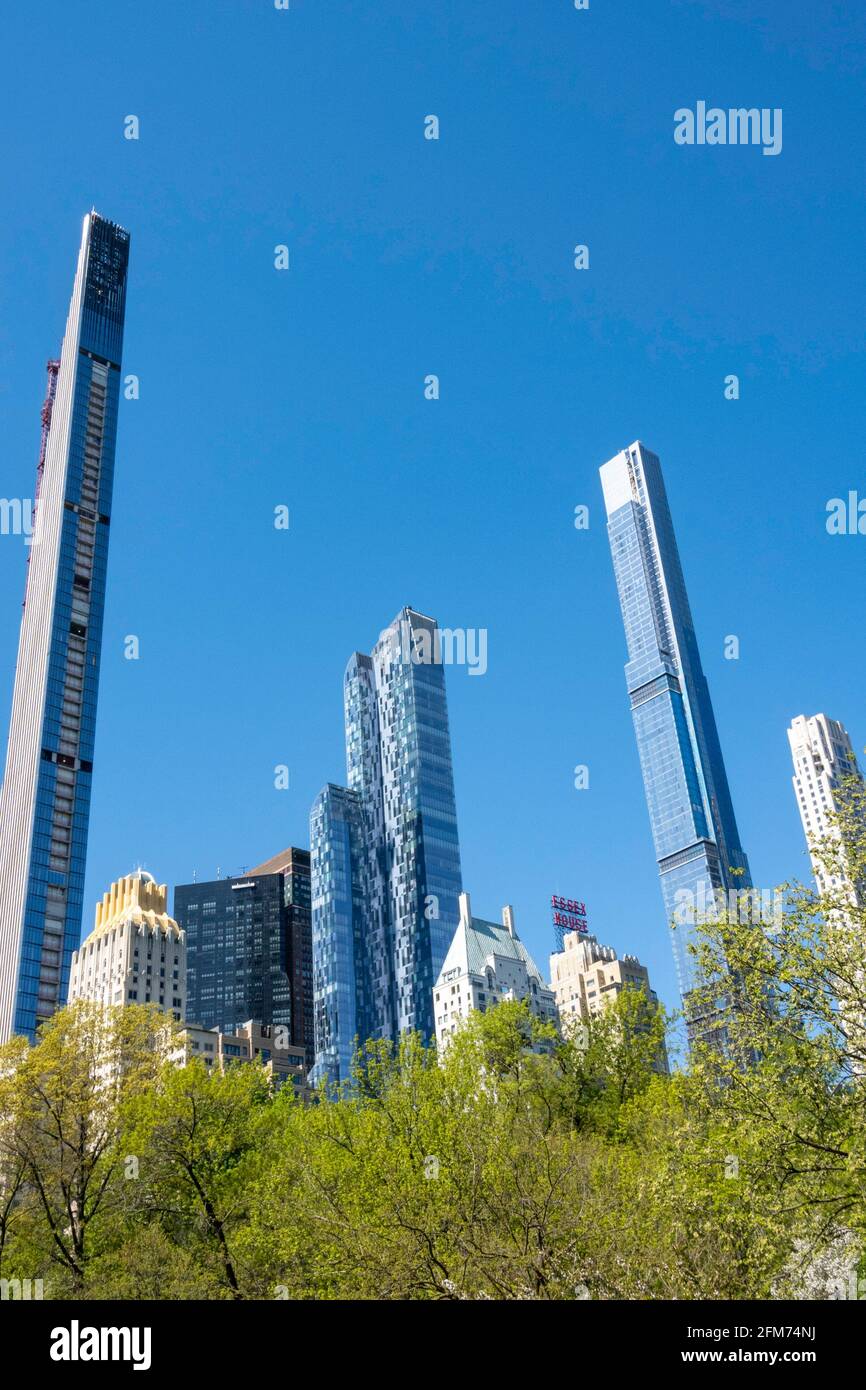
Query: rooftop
point(476, 939)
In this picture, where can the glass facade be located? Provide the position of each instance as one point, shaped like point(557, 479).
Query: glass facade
point(297, 902)
point(45, 803)
point(294, 866)
point(384, 851)
point(695, 833)
point(341, 1006)
point(237, 951)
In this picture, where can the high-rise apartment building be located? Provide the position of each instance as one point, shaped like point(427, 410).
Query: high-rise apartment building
point(136, 953)
point(486, 964)
point(823, 758)
point(384, 850)
point(45, 802)
point(697, 843)
point(249, 949)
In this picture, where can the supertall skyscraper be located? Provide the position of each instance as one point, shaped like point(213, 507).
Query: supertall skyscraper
point(823, 759)
point(697, 844)
point(45, 802)
point(384, 851)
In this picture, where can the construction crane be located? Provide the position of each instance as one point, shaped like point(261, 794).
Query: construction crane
point(52, 367)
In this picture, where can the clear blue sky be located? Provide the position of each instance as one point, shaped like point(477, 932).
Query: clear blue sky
point(411, 257)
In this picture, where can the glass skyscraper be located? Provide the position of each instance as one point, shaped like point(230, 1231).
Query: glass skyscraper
point(384, 851)
point(45, 803)
point(340, 914)
point(697, 844)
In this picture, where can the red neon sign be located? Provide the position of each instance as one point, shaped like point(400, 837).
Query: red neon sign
point(568, 913)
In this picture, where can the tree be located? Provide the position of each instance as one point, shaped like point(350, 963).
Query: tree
point(195, 1137)
point(59, 1138)
point(611, 1057)
point(790, 1084)
point(458, 1177)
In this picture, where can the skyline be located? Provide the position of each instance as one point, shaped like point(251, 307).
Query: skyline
point(402, 650)
point(544, 375)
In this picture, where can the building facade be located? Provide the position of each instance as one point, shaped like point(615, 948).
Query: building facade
point(249, 949)
point(294, 866)
point(45, 802)
point(697, 844)
point(823, 759)
point(341, 986)
point(584, 975)
point(384, 850)
point(251, 1042)
point(486, 964)
point(136, 953)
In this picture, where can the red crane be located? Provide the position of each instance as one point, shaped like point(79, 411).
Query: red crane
point(52, 367)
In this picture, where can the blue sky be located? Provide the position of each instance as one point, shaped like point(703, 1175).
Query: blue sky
point(305, 388)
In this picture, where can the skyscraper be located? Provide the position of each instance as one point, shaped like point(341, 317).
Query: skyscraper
point(697, 844)
point(823, 758)
point(340, 915)
point(45, 804)
point(385, 855)
point(136, 953)
point(249, 948)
